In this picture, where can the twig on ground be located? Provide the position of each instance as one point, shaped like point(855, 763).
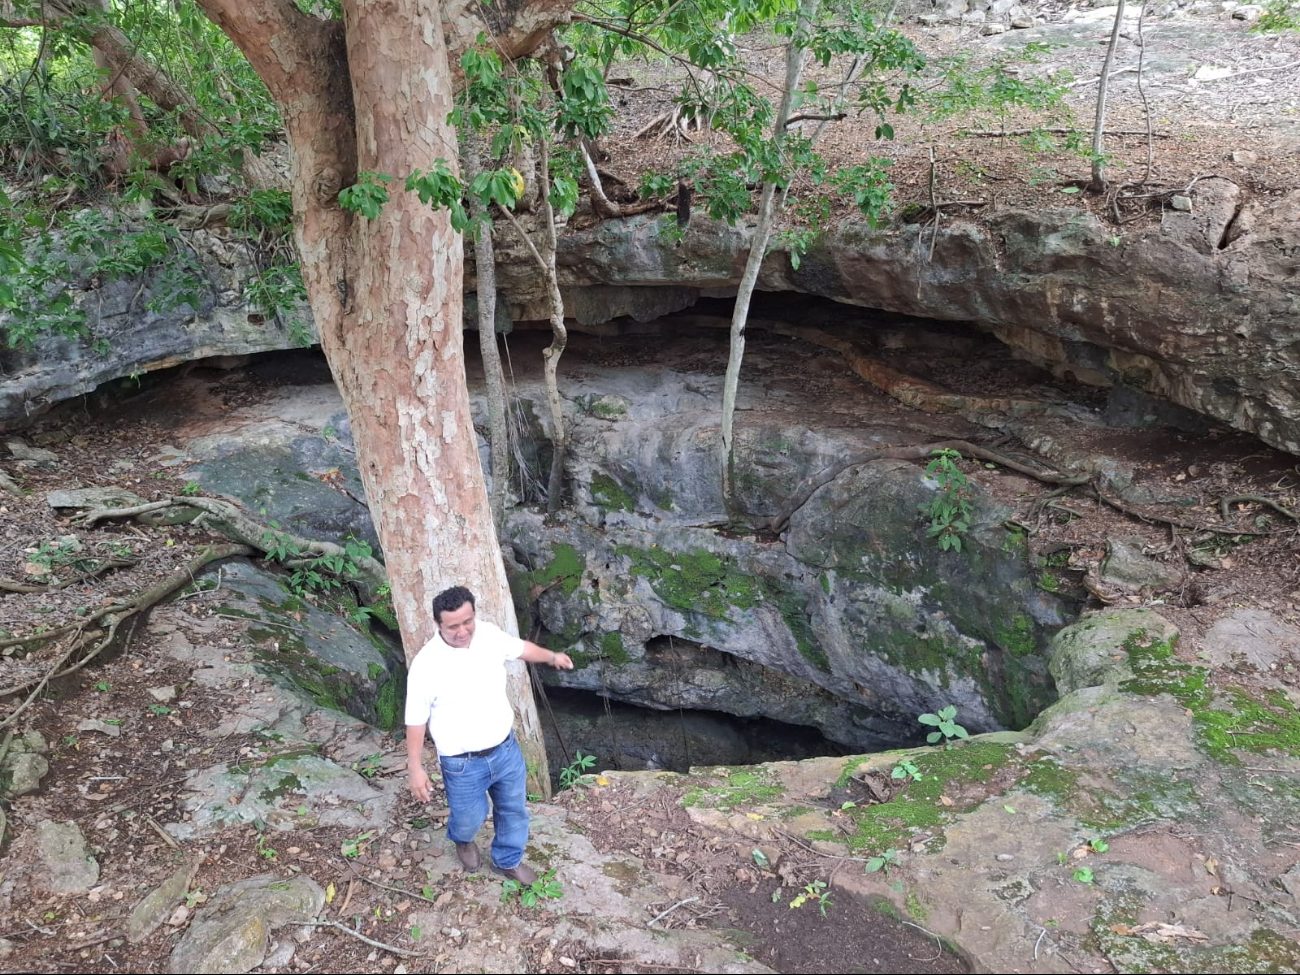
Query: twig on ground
point(815, 852)
point(937, 940)
point(361, 937)
point(663, 914)
point(995, 133)
point(1092, 81)
point(119, 612)
point(396, 890)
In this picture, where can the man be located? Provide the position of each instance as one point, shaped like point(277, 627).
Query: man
point(457, 687)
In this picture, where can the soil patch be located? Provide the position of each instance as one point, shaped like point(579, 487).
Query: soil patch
point(832, 935)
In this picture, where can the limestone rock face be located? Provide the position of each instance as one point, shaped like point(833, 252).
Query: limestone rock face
point(851, 621)
point(1189, 311)
point(1200, 311)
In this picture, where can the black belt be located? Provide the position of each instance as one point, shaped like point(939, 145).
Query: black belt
point(482, 752)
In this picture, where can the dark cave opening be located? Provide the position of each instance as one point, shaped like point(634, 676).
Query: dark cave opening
point(626, 737)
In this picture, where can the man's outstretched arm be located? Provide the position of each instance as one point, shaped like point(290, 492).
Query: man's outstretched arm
point(540, 655)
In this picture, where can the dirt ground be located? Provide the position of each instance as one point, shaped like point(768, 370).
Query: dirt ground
point(1221, 100)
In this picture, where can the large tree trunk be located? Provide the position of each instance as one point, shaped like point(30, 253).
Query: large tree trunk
point(372, 94)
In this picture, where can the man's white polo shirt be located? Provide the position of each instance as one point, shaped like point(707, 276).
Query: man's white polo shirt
point(462, 693)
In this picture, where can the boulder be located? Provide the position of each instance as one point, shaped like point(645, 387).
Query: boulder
point(229, 935)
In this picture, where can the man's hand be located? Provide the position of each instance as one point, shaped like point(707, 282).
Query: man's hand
point(419, 782)
point(534, 654)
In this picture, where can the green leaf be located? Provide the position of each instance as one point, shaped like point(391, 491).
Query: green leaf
point(367, 196)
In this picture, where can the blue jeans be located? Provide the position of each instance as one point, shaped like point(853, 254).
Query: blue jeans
point(469, 782)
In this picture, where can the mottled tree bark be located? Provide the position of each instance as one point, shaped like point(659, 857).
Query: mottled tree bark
point(372, 93)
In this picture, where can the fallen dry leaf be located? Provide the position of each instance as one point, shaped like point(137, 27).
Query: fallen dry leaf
point(1212, 866)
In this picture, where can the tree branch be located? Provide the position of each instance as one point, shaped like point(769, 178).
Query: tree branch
point(230, 521)
point(118, 612)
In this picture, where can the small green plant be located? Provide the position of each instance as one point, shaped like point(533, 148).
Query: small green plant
point(945, 723)
point(1278, 16)
point(545, 887)
point(1098, 845)
point(352, 848)
point(72, 741)
point(369, 766)
point(906, 769)
point(191, 488)
point(1084, 875)
point(103, 686)
point(572, 773)
point(950, 509)
point(195, 896)
point(415, 932)
point(161, 710)
point(882, 863)
point(815, 891)
point(264, 849)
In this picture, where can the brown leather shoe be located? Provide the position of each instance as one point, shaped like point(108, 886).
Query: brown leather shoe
point(468, 854)
point(523, 873)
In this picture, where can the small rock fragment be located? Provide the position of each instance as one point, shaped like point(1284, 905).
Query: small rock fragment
point(103, 727)
point(31, 456)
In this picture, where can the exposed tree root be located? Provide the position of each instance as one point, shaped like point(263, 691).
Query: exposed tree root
point(9, 585)
point(675, 123)
point(603, 205)
point(810, 484)
point(1189, 526)
point(1229, 500)
point(93, 640)
point(229, 520)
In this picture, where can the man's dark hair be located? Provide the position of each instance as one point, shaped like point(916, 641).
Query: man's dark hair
point(450, 600)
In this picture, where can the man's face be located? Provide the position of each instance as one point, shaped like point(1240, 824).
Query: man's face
point(457, 626)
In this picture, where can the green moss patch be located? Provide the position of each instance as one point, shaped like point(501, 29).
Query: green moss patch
point(1113, 937)
point(565, 569)
point(1227, 720)
point(697, 582)
point(610, 495)
point(611, 646)
point(744, 787)
point(918, 807)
